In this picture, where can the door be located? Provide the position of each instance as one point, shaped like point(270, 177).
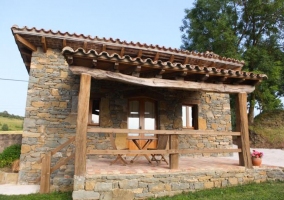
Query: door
point(141, 115)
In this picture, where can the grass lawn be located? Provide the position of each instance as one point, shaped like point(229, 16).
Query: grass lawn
point(260, 191)
point(254, 191)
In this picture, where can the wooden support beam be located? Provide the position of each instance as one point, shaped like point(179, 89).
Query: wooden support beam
point(43, 43)
point(174, 157)
point(242, 126)
point(122, 51)
point(155, 82)
point(45, 174)
point(82, 123)
point(25, 42)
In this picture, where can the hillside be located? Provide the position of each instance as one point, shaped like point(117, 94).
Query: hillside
point(9, 122)
point(268, 130)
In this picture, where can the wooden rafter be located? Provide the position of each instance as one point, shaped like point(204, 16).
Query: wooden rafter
point(172, 58)
point(43, 44)
point(122, 51)
point(64, 43)
point(157, 56)
point(186, 60)
point(104, 47)
point(204, 77)
point(24, 42)
point(85, 45)
point(139, 53)
point(160, 73)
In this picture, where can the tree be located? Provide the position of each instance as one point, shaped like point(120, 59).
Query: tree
point(242, 29)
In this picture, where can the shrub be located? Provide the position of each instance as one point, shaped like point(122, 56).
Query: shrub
point(5, 127)
point(10, 154)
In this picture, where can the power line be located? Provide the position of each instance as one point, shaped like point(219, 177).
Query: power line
point(6, 79)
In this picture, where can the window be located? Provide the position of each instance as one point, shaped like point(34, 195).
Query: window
point(94, 112)
point(189, 116)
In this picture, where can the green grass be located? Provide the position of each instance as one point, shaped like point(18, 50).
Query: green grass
point(253, 191)
point(13, 124)
point(51, 196)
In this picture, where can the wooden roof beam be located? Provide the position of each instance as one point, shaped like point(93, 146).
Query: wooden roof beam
point(85, 45)
point(104, 47)
point(172, 58)
point(24, 42)
point(43, 44)
point(186, 60)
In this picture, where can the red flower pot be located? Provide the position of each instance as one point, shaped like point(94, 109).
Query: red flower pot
point(256, 161)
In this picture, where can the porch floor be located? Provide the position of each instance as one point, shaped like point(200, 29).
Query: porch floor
point(141, 166)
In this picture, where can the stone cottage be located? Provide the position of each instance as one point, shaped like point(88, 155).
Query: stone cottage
point(79, 84)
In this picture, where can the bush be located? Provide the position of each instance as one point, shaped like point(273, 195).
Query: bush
point(10, 154)
point(5, 127)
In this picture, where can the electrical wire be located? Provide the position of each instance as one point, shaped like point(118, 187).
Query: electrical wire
point(6, 79)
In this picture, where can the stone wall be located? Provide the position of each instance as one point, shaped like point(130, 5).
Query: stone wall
point(142, 186)
point(7, 140)
point(50, 117)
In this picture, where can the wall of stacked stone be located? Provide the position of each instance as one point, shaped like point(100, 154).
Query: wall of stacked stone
point(141, 186)
point(50, 117)
point(7, 140)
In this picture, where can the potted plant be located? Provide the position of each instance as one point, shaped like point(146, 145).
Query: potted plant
point(256, 158)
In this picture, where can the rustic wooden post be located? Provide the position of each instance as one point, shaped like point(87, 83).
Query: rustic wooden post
point(174, 157)
point(82, 123)
point(242, 126)
point(45, 173)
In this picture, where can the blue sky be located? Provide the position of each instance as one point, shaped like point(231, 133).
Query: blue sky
point(147, 21)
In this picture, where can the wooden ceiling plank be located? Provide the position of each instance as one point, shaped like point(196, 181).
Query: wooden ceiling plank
point(43, 43)
point(25, 42)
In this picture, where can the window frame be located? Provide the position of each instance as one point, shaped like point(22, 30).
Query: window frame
point(193, 117)
point(91, 103)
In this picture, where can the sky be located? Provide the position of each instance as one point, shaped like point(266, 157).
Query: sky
point(149, 21)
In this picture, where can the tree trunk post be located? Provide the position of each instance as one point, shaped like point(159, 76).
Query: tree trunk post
point(242, 126)
point(82, 124)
